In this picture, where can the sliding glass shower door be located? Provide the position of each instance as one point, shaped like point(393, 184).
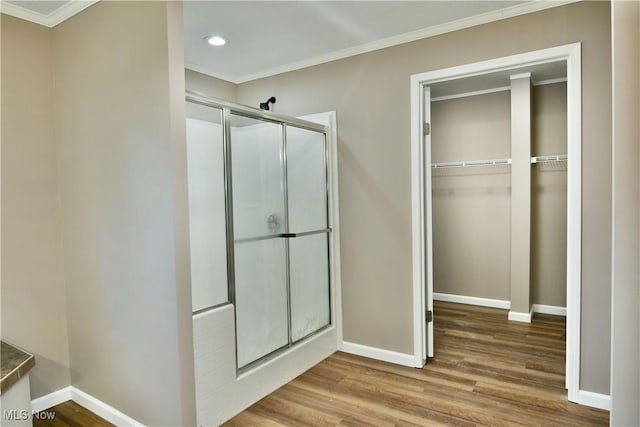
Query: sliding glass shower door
point(309, 256)
point(280, 228)
point(261, 299)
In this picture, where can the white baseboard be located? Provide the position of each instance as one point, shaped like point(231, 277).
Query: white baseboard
point(595, 400)
point(378, 354)
point(550, 309)
point(483, 302)
point(87, 401)
point(100, 408)
point(521, 317)
point(51, 399)
point(498, 303)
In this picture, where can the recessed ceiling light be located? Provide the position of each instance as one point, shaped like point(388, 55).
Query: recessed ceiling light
point(216, 40)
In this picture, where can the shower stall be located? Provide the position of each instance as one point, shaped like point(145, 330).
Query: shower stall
point(260, 230)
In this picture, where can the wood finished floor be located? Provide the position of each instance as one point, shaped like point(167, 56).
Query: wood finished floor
point(486, 371)
point(69, 414)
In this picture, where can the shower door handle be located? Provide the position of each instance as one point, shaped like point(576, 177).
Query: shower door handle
point(282, 235)
point(305, 233)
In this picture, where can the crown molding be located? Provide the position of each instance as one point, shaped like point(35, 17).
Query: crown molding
point(203, 70)
point(460, 24)
point(61, 14)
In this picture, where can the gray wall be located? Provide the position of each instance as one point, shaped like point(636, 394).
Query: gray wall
point(549, 197)
point(625, 351)
point(119, 103)
point(471, 207)
point(33, 289)
point(371, 95)
point(210, 86)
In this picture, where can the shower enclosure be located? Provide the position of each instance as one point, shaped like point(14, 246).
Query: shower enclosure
point(259, 224)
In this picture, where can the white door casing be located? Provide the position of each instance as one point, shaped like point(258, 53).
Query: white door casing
point(421, 195)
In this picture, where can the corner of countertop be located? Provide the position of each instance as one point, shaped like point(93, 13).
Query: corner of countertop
point(15, 363)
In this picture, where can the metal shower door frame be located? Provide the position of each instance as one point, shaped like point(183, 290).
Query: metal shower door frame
point(229, 108)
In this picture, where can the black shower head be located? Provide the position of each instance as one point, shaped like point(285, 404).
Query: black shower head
point(265, 105)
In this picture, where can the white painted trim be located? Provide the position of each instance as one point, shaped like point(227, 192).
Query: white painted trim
point(497, 89)
point(61, 14)
point(572, 55)
point(474, 93)
point(550, 309)
point(549, 81)
point(482, 302)
point(518, 316)
point(526, 75)
point(485, 18)
point(52, 399)
point(595, 400)
point(85, 400)
point(100, 408)
point(428, 350)
point(498, 303)
point(330, 119)
point(574, 217)
point(378, 354)
point(417, 222)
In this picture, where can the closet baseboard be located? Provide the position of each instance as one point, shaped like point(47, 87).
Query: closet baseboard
point(520, 316)
point(462, 299)
point(498, 303)
point(550, 309)
point(595, 400)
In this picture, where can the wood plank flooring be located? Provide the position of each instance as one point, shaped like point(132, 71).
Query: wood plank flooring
point(486, 371)
point(69, 414)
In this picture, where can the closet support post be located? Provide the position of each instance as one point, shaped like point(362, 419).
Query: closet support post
point(521, 292)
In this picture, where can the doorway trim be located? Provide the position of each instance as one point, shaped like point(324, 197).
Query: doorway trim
point(421, 187)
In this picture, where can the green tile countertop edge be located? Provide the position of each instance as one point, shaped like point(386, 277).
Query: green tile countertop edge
point(15, 363)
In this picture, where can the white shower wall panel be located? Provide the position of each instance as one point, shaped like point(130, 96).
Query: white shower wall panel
point(207, 230)
point(220, 394)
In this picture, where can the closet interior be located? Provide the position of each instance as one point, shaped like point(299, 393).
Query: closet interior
point(499, 189)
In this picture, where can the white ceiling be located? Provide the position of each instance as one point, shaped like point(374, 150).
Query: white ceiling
point(47, 12)
point(270, 37)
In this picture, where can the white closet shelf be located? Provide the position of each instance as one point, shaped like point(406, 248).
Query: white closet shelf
point(546, 159)
point(497, 162)
point(471, 163)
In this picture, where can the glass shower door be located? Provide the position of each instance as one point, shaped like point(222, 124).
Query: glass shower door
point(308, 222)
point(259, 220)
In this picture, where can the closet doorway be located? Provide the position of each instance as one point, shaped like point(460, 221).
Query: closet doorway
point(481, 78)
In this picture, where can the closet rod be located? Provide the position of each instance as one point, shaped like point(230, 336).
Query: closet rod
point(546, 159)
point(471, 163)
